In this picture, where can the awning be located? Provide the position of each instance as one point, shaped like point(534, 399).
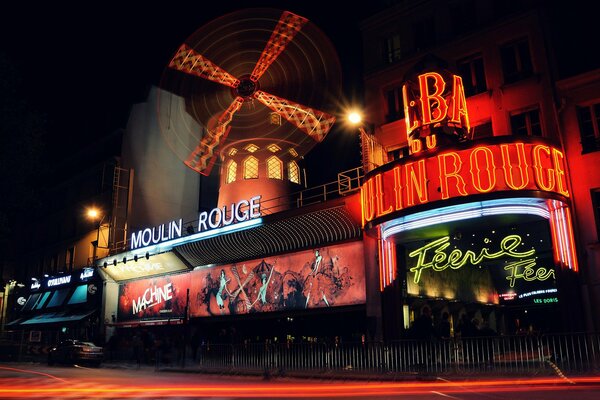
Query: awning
point(51, 318)
point(149, 322)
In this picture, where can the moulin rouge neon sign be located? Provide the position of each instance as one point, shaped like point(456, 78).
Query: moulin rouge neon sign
point(482, 169)
point(434, 256)
point(432, 101)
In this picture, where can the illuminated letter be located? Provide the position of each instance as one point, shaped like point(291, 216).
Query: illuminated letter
point(459, 104)
point(431, 141)
point(202, 221)
point(446, 173)
point(489, 169)
point(380, 196)
point(175, 229)
point(521, 166)
point(415, 146)
point(136, 240)
point(231, 212)
point(368, 205)
point(398, 188)
point(213, 222)
point(244, 215)
point(145, 241)
point(559, 168)
point(433, 100)
point(539, 168)
point(255, 207)
point(414, 182)
point(411, 123)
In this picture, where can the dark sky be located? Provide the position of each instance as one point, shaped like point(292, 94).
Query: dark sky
point(84, 65)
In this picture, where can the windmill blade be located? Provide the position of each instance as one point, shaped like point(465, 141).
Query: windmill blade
point(203, 157)
point(289, 24)
point(189, 61)
point(314, 123)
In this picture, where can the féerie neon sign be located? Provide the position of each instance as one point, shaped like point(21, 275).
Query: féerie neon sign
point(434, 255)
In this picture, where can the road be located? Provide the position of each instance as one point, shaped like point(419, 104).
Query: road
point(38, 381)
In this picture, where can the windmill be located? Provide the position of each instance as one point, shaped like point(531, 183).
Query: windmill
point(259, 111)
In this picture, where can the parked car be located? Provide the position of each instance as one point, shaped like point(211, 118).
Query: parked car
point(76, 352)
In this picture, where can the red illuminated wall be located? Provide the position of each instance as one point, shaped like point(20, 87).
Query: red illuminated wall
point(333, 277)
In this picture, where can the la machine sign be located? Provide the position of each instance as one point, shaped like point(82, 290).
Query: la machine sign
point(218, 217)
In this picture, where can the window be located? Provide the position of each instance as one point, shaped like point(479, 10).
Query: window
point(526, 123)
point(293, 152)
point(42, 300)
point(395, 106)
point(516, 61)
point(589, 127)
point(273, 148)
point(231, 172)
point(251, 148)
point(293, 172)
point(58, 297)
point(232, 152)
point(424, 33)
point(473, 75)
point(79, 295)
point(483, 130)
point(596, 205)
point(70, 258)
point(251, 168)
point(392, 49)
point(274, 168)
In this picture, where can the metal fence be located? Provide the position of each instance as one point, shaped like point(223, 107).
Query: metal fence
point(507, 355)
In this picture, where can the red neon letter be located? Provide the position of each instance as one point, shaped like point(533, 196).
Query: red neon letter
point(539, 168)
point(368, 205)
point(380, 197)
point(559, 167)
point(459, 104)
point(433, 100)
point(446, 173)
point(488, 169)
point(411, 123)
point(510, 169)
point(414, 182)
point(398, 188)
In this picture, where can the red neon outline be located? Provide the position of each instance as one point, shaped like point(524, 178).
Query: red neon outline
point(490, 169)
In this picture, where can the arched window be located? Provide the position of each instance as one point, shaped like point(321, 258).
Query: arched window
point(293, 172)
point(274, 168)
point(231, 171)
point(251, 168)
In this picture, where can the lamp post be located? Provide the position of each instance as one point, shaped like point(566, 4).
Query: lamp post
point(372, 151)
point(94, 214)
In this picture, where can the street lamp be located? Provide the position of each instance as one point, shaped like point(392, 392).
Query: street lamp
point(372, 151)
point(102, 231)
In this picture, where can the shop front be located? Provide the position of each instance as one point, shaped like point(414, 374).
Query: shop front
point(60, 307)
point(291, 276)
point(474, 233)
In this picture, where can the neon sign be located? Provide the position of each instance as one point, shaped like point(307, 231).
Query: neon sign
point(482, 169)
point(434, 255)
point(433, 102)
point(61, 280)
point(238, 212)
point(155, 235)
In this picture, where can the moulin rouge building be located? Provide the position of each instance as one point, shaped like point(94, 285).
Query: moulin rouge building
point(467, 204)
point(453, 213)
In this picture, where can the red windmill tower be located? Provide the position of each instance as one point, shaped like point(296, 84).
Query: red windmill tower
point(241, 99)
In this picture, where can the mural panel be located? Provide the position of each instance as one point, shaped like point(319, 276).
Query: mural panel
point(322, 277)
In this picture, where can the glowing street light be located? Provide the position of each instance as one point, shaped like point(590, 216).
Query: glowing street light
point(93, 213)
point(354, 117)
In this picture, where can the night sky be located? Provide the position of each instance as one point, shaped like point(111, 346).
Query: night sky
point(84, 65)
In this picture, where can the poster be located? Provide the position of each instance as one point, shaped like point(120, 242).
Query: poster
point(321, 277)
point(153, 298)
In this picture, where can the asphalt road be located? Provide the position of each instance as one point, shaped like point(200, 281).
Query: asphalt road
point(76, 382)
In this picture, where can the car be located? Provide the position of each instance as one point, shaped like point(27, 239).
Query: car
point(76, 352)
